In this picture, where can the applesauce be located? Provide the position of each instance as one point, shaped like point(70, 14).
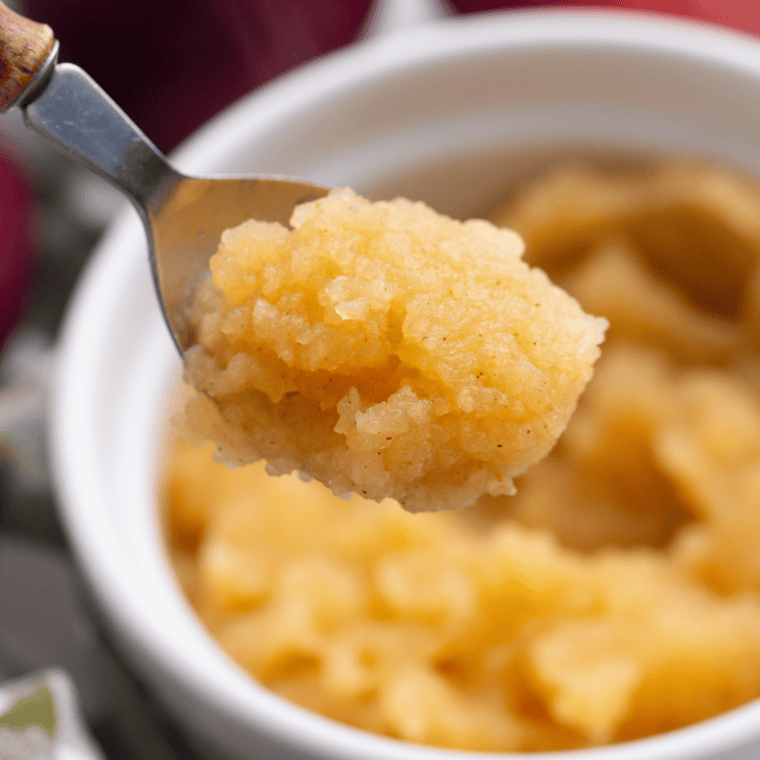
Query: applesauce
point(616, 595)
point(386, 350)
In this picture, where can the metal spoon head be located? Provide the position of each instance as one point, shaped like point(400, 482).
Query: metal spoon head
point(186, 218)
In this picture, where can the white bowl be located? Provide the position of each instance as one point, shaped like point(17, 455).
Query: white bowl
point(449, 113)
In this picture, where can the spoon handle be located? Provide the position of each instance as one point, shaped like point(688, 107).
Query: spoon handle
point(77, 117)
point(67, 108)
point(25, 47)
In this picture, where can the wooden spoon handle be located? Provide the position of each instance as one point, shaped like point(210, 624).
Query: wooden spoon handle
point(24, 47)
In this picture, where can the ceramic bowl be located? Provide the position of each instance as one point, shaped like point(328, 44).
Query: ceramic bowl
point(451, 113)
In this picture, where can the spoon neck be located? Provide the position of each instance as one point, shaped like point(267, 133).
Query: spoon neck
point(78, 117)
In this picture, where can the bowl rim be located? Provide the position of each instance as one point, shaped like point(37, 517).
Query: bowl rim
point(309, 84)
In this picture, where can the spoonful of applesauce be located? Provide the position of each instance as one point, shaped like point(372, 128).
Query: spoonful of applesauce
point(381, 348)
point(184, 217)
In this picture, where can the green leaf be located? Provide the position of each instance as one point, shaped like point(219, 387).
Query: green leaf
point(38, 709)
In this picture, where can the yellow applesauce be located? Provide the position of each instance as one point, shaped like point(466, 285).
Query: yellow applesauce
point(616, 595)
point(386, 350)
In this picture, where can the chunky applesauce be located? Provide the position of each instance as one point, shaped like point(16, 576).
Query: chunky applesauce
point(386, 350)
point(616, 595)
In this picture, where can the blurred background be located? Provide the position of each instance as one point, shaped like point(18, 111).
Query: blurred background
point(171, 66)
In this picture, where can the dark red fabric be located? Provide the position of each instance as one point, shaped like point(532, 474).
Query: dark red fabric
point(15, 250)
point(173, 65)
point(738, 14)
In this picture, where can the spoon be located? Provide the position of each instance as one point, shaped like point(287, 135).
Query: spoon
point(183, 216)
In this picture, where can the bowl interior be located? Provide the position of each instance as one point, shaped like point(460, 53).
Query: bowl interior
point(452, 114)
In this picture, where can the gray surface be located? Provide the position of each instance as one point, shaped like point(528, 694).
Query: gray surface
point(46, 620)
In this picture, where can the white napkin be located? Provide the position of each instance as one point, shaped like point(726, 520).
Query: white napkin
point(40, 720)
